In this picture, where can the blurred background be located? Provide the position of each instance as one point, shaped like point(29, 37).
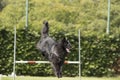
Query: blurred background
point(100, 51)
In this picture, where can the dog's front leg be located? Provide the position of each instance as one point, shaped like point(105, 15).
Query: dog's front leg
point(60, 73)
point(56, 69)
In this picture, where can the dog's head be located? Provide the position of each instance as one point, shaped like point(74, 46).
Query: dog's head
point(66, 44)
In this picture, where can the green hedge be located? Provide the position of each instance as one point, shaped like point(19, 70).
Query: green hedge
point(97, 53)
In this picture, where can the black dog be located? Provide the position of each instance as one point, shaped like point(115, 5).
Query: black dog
point(54, 51)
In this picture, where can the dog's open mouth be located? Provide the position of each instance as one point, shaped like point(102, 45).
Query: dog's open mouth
point(68, 50)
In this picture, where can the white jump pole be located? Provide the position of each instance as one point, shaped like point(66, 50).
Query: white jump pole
point(14, 53)
point(45, 62)
point(79, 55)
point(26, 24)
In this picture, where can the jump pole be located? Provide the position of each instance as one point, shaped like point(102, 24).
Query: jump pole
point(14, 53)
point(79, 55)
point(26, 24)
point(45, 62)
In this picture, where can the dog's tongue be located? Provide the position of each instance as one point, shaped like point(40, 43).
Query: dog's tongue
point(67, 50)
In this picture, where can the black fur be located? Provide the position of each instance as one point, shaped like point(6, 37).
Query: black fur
point(54, 51)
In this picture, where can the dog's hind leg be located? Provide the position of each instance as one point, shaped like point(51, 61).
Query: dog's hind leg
point(42, 46)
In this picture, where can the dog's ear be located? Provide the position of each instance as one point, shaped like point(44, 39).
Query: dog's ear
point(45, 22)
point(64, 39)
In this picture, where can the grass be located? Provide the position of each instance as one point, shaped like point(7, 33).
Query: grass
point(64, 78)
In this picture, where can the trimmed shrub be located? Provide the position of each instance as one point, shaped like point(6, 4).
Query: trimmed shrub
point(97, 54)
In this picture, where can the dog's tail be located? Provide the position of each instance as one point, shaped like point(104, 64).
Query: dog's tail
point(44, 34)
point(45, 29)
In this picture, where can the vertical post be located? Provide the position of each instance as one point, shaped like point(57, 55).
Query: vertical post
point(79, 55)
point(108, 19)
point(14, 53)
point(26, 25)
point(0, 76)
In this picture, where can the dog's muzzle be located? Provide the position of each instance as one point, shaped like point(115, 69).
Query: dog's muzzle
point(68, 50)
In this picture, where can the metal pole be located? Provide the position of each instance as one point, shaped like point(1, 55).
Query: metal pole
point(79, 55)
point(14, 53)
point(108, 19)
point(45, 62)
point(0, 76)
point(26, 25)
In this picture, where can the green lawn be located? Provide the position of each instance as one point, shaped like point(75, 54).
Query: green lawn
point(64, 78)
